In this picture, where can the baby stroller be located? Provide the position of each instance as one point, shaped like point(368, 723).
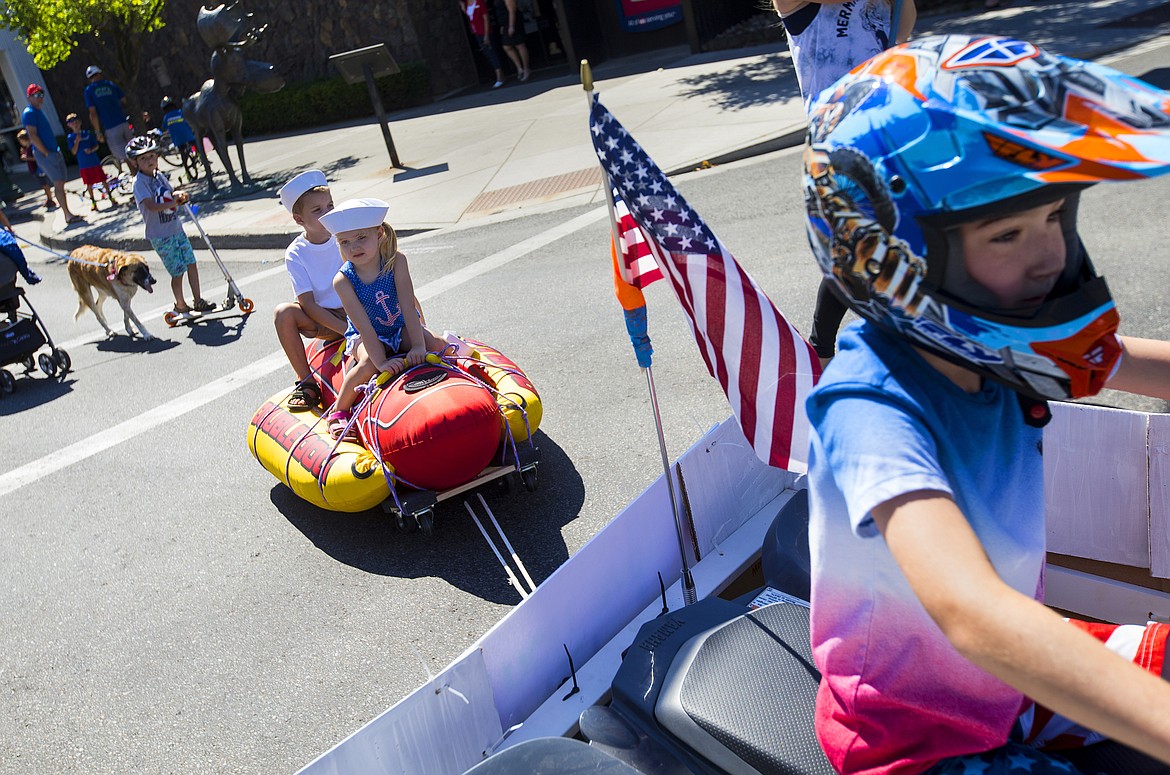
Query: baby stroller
point(22, 333)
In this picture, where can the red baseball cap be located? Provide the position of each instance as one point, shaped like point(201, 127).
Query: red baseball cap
point(33, 89)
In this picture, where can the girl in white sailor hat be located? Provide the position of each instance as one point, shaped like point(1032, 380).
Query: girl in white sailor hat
point(385, 331)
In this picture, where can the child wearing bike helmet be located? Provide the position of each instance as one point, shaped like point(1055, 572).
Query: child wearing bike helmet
point(159, 202)
point(942, 180)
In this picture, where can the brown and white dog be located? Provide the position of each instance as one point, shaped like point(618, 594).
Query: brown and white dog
point(109, 273)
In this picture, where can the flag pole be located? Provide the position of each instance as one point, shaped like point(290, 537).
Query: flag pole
point(688, 581)
point(895, 20)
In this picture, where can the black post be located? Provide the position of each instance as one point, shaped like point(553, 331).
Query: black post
point(380, 112)
point(691, 20)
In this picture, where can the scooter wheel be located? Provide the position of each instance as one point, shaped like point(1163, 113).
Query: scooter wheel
point(64, 362)
point(171, 318)
point(246, 306)
point(7, 382)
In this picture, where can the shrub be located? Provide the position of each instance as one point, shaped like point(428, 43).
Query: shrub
point(327, 101)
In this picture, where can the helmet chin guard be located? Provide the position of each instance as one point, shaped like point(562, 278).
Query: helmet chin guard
point(952, 129)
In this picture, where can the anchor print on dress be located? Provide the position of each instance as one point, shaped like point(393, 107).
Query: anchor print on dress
point(380, 298)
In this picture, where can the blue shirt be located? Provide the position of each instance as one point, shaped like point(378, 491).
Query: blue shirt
point(32, 117)
point(107, 98)
point(87, 150)
point(180, 132)
point(895, 692)
point(380, 301)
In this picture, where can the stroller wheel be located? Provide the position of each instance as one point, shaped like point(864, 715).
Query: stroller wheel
point(29, 364)
point(7, 381)
point(246, 306)
point(47, 364)
point(64, 362)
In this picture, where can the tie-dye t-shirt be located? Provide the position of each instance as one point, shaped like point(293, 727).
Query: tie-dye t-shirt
point(895, 696)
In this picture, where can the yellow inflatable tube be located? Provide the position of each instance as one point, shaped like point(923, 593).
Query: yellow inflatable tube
point(295, 448)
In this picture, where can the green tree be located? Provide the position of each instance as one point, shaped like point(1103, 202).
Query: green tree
point(108, 31)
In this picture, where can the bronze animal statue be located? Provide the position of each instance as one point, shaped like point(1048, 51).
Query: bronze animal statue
point(213, 111)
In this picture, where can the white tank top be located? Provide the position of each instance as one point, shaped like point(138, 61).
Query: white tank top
point(828, 41)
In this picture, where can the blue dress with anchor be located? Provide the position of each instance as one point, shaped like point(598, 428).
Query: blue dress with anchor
point(380, 301)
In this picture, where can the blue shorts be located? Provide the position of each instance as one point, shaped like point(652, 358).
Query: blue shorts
point(176, 253)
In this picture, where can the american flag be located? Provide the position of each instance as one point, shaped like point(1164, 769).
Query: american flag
point(764, 366)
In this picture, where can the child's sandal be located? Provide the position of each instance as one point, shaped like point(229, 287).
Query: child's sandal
point(338, 422)
point(306, 395)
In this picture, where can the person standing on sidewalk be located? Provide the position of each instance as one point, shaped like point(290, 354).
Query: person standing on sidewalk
point(108, 113)
point(479, 17)
point(827, 40)
point(45, 149)
point(511, 21)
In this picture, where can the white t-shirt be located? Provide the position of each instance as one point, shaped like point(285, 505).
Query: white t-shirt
point(312, 267)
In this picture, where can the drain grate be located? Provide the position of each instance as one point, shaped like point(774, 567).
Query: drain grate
point(536, 190)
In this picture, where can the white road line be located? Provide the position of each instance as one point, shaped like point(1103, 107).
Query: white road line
point(124, 431)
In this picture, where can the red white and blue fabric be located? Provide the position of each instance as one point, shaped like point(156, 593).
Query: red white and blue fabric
point(764, 366)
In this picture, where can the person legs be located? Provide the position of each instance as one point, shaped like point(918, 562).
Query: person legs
point(493, 59)
point(116, 139)
point(292, 323)
point(53, 166)
point(178, 258)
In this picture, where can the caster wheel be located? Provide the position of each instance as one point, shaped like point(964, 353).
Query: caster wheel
point(47, 364)
point(171, 318)
point(246, 306)
point(405, 524)
point(426, 521)
point(64, 362)
point(528, 479)
point(29, 364)
point(504, 484)
point(7, 381)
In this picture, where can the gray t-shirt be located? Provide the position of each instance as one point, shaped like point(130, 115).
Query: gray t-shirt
point(157, 189)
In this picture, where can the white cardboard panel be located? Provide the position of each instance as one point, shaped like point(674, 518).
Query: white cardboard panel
point(441, 728)
point(1096, 485)
point(1159, 442)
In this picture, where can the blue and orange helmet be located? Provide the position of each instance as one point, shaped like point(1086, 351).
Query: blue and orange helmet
point(950, 129)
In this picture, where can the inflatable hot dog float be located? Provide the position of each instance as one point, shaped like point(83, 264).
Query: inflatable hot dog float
point(433, 427)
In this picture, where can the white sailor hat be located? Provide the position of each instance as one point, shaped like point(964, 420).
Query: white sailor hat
point(295, 188)
point(355, 214)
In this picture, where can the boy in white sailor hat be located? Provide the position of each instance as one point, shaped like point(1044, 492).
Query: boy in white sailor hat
point(386, 331)
point(312, 261)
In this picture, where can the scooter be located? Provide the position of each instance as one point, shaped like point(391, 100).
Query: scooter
point(234, 295)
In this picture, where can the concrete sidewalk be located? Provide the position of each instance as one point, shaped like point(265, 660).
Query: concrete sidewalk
point(495, 154)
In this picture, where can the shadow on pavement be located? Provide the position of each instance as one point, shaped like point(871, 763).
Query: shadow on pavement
point(120, 343)
point(456, 552)
point(31, 391)
point(1159, 77)
point(757, 82)
point(215, 332)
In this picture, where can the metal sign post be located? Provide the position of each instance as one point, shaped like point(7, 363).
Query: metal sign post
point(366, 64)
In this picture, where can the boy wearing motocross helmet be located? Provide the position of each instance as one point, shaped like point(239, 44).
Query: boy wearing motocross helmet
point(942, 180)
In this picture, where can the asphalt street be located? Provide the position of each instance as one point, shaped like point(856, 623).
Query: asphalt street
point(170, 607)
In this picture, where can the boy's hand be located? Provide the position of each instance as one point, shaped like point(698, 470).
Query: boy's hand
point(182, 197)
